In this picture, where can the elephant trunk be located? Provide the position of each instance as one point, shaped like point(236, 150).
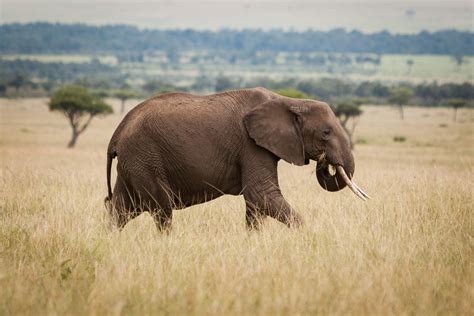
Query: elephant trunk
point(335, 177)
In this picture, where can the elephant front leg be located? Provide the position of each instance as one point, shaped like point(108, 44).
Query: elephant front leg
point(270, 204)
point(277, 207)
point(262, 194)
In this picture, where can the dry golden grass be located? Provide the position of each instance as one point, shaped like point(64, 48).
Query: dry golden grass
point(409, 250)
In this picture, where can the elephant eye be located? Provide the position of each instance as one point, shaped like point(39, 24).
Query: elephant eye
point(326, 133)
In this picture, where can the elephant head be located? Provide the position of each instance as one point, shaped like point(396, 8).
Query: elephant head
point(299, 130)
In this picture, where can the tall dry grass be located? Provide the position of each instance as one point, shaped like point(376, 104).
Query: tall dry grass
point(409, 250)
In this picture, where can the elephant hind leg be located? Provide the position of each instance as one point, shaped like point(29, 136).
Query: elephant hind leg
point(161, 212)
point(163, 218)
point(123, 208)
point(149, 190)
point(155, 199)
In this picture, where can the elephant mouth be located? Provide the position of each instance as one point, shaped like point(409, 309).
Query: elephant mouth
point(333, 177)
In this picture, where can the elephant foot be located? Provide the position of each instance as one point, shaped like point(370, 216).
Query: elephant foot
point(292, 220)
point(254, 222)
point(295, 220)
point(163, 219)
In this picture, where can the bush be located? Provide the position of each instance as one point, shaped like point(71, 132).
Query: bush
point(399, 139)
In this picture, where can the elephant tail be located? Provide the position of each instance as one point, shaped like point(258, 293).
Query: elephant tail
point(110, 156)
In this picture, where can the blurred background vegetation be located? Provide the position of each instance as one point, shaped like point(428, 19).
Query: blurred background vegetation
point(430, 69)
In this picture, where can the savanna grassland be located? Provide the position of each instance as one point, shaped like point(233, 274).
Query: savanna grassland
point(441, 68)
point(408, 250)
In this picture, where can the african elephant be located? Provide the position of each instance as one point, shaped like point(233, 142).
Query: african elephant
point(177, 149)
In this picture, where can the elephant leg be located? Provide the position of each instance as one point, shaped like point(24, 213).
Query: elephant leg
point(123, 209)
point(263, 196)
point(163, 218)
point(271, 204)
point(277, 207)
point(156, 200)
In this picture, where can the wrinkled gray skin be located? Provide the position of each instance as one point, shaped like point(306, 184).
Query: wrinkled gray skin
point(176, 150)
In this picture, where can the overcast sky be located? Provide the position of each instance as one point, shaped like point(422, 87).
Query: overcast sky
point(365, 15)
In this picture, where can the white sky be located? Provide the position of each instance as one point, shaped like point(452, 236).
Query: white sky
point(364, 15)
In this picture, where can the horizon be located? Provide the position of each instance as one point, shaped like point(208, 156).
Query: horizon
point(234, 29)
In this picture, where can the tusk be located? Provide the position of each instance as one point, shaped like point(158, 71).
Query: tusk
point(360, 190)
point(332, 170)
point(349, 183)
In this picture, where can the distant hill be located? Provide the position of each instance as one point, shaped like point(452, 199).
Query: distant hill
point(46, 38)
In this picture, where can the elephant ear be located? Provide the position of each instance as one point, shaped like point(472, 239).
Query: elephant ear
point(274, 126)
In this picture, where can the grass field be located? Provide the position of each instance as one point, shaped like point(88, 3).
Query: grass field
point(442, 68)
point(393, 67)
point(409, 250)
point(64, 58)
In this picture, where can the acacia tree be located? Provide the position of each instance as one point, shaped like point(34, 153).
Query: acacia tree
point(400, 96)
point(348, 111)
point(123, 95)
point(456, 104)
point(410, 64)
point(458, 59)
point(79, 107)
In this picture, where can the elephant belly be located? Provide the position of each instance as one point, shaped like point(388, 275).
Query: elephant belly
point(185, 200)
point(181, 202)
point(196, 188)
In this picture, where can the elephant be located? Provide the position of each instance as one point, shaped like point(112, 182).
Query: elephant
point(178, 149)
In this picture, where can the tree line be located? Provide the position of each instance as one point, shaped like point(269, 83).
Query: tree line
point(334, 89)
point(44, 38)
point(108, 82)
point(56, 71)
